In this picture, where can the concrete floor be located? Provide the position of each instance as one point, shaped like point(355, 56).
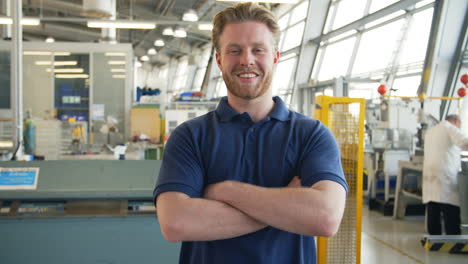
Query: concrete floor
point(388, 241)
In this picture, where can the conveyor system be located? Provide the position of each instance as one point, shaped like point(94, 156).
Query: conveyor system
point(83, 211)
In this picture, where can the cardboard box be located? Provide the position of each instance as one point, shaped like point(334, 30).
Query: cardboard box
point(145, 121)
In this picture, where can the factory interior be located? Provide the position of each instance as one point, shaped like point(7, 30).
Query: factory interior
point(90, 92)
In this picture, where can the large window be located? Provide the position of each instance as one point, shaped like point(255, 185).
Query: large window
point(201, 68)
point(388, 49)
point(336, 58)
point(415, 46)
point(348, 11)
point(379, 4)
point(377, 47)
point(283, 76)
point(292, 25)
point(181, 76)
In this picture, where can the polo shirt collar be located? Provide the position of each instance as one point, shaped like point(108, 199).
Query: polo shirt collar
point(280, 112)
point(226, 113)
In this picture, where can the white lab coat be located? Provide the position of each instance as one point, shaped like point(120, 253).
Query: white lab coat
point(442, 147)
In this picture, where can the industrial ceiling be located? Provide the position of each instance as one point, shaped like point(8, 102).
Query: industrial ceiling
point(66, 20)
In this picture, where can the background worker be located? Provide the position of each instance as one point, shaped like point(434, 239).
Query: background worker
point(442, 163)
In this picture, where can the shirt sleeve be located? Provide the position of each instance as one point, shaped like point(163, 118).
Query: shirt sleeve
point(457, 137)
point(321, 158)
point(181, 169)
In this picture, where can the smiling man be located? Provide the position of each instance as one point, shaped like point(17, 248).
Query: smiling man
point(251, 182)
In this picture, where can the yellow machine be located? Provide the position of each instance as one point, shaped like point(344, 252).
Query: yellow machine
point(345, 118)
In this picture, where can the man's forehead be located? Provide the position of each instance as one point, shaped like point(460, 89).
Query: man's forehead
point(254, 44)
point(246, 34)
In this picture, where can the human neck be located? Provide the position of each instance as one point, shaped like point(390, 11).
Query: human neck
point(258, 108)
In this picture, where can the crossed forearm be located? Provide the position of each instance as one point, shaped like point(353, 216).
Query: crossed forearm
point(231, 209)
point(306, 211)
point(199, 219)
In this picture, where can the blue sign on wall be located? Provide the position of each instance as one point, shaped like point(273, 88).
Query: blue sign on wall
point(18, 178)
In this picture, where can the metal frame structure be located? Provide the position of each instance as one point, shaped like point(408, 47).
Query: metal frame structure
point(348, 128)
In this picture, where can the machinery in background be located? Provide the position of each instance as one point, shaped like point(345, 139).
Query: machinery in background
point(178, 112)
point(390, 129)
point(399, 123)
point(103, 209)
point(408, 189)
point(54, 138)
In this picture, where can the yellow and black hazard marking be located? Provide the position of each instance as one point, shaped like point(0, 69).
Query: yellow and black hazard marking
point(451, 247)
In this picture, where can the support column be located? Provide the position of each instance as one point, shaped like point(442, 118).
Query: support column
point(314, 23)
point(17, 76)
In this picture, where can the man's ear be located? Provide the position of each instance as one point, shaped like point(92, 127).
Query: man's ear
point(218, 59)
point(277, 56)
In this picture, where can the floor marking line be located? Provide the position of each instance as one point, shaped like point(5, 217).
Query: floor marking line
point(395, 248)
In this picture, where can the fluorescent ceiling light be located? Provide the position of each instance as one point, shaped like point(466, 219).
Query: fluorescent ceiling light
point(24, 21)
point(138, 64)
point(64, 70)
point(152, 51)
point(118, 70)
point(190, 16)
point(50, 40)
point(56, 63)
point(205, 26)
point(180, 33)
point(61, 53)
point(116, 62)
point(46, 53)
point(159, 43)
point(144, 58)
point(43, 53)
point(118, 76)
point(115, 54)
point(6, 144)
point(30, 21)
point(168, 31)
point(120, 24)
point(71, 76)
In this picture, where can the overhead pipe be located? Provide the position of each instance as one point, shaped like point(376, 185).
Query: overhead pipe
point(109, 35)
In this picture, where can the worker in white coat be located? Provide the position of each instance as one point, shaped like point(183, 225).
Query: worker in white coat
point(442, 149)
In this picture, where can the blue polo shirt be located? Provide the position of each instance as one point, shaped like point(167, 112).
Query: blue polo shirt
point(227, 145)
